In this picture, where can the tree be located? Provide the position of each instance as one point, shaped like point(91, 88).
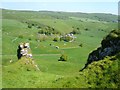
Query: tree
point(86, 29)
point(63, 57)
point(76, 31)
point(20, 36)
point(56, 39)
point(29, 26)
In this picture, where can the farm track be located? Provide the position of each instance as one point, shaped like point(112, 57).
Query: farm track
point(69, 47)
point(37, 55)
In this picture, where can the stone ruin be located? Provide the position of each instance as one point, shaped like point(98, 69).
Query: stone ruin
point(24, 50)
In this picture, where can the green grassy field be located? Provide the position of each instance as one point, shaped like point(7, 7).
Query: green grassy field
point(15, 31)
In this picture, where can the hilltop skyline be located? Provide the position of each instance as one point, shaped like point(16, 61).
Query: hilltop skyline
point(85, 7)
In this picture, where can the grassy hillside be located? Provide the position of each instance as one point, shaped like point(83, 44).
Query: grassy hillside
point(27, 26)
point(101, 74)
point(12, 14)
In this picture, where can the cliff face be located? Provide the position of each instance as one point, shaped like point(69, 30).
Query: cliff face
point(110, 46)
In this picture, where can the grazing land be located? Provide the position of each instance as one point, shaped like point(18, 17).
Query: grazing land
point(46, 32)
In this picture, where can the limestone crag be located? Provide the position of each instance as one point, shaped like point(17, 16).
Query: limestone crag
point(24, 50)
point(110, 46)
point(25, 57)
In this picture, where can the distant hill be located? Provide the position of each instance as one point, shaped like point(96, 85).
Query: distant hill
point(11, 14)
point(25, 25)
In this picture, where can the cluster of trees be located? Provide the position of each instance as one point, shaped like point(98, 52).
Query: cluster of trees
point(66, 38)
point(43, 29)
point(48, 31)
point(56, 39)
point(41, 37)
point(31, 24)
point(75, 30)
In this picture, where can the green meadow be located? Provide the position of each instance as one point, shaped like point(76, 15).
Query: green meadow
point(53, 73)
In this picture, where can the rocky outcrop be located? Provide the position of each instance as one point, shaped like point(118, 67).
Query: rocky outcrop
point(24, 50)
point(25, 58)
point(110, 46)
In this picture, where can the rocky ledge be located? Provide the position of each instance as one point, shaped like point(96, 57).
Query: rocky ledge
point(110, 46)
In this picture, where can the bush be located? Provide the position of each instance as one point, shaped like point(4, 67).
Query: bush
point(29, 38)
point(33, 24)
point(63, 57)
point(38, 27)
point(67, 39)
point(56, 39)
point(20, 36)
point(29, 26)
point(40, 32)
point(81, 45)
point(113, 35)
point(76, 31)
point(44, 38)
point(86, 29)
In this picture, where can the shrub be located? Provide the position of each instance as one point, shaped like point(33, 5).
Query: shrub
point(113, 35)
point(63, 57)
point(40, 32)
point(29, 26)
point(20, 36)
point(81, 45)
point(38, 27)
point(86, 29)
point(77, 28)
point(29, 38)
point(77, 31)
point(33, 24)
point(44, 38)
point(56, 39)
point(67, 39)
